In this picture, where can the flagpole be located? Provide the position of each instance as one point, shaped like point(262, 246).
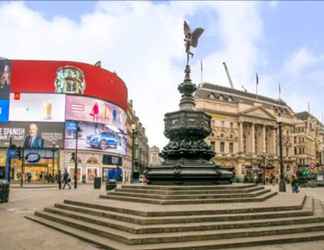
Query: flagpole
point(201, 71)
point(256, 85)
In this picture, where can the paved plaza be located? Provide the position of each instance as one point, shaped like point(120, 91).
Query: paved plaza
point(18, 233)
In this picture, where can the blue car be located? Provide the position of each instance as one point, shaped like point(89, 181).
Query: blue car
point(103, 140)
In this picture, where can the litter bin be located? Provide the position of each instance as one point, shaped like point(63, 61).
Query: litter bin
point(110, 185)
point(97, 182)
point(4, 191)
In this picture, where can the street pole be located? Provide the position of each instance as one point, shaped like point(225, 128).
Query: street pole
point(264, 171)
point(53, 161)
point(22, 158)
point(282, 184)
point(133, 155)
point(76, 157)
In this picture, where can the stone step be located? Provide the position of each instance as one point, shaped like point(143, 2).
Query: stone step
point(179, 192)
point(181, 212)
point(187, 227)
point(190, 245)
point(192, 188)
point(188, 196)
point(157, 238)
point(260, 198)
point(141, 220)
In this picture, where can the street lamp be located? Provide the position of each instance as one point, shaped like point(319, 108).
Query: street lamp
point(77, 130)
point(264, 162)
point(282, 183)
point(134, 133)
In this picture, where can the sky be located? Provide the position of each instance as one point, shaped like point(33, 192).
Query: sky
point(143, 43)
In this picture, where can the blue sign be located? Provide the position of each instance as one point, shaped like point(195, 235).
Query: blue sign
point(71, 125)
point(4, 110)
point(33, 157)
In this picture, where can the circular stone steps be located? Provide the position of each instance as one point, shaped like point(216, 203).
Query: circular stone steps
point(124, 225)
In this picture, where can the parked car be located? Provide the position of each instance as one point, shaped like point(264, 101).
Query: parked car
point(103, 140)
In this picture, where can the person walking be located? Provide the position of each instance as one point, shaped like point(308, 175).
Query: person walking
point(66, 179)
point(294, 185)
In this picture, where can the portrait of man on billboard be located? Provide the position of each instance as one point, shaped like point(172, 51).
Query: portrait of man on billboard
point(33, 140)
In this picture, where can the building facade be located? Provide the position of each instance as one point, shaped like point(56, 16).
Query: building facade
point(155, 159)
point(137, 147)
point(308, 138)
point(245, 129)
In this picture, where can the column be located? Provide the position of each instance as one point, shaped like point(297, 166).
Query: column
point(253, 138)
point(274, 141)
point(264, 139)
point(241, 138)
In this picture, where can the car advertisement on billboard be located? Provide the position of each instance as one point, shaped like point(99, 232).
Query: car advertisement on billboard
point(80, 108)
point(32, 135)
point(95, 136)
point(5, 78)
point(37, 107)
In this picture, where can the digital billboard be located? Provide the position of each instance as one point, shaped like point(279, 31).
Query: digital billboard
point(95, 136)
point(5, 78)
point(4, 110)
point(41, 76)
point(37, 107)
point(89, 109)
point(32, 135)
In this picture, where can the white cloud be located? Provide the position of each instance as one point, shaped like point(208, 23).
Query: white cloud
point(140, 41)
point(299, 61)
point(273, 4)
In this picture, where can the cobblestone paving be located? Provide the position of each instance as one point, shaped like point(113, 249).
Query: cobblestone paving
point(17, 233)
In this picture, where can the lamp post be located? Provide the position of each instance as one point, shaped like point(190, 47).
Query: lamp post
point(77, 130)
point(134, 133)
point(264, 164)
point(282, 183)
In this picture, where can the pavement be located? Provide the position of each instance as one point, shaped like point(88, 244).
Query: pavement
point(18, 233)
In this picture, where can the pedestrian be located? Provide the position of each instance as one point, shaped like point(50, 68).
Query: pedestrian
point(66, 179)
point(294, 185)
point(29, 177)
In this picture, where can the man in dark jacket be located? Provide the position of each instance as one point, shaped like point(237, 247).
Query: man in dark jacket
point(66, 179)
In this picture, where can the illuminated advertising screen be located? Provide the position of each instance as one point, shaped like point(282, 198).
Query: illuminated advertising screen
point(32, 135)
point(95, 136)
point(37, 107)
point(4, 110)
point(5, 78)
point(80, 108)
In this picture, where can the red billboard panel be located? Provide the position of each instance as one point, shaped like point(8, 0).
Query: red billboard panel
point(31, 76)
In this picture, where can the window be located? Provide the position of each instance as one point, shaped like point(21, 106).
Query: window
point(295, 151)
point(222, 147)
point(231, 147)
point(213, 145)
point(223, 123)
point(231, 124)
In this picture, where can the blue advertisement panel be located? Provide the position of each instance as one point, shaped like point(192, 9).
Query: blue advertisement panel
point(4, 111)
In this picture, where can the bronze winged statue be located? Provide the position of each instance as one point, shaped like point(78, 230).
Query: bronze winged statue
point(191, 39)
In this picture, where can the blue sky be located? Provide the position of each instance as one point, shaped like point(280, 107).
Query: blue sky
point(143, 43)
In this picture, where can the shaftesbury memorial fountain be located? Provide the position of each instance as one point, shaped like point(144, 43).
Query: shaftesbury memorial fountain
point(187, 155)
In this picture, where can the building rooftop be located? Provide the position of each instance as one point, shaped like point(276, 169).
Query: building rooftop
point(237, 93)
point(304, 115)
